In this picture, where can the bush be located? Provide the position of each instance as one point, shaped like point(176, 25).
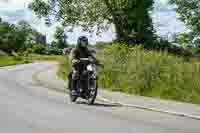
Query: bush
point(54, 51)
point(164, 45)
point(101, 45)
point(39, 49)
point(197, 51)
point(2, 53)
point(17, 56)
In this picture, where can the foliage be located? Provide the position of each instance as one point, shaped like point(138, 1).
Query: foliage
point(148, 73)
point(9, 37)
point(43, 50)
point(18, 37)
point(39, 49)
point(196, 52)
point(18, 59)
point(184, 39)
point(2, 53)
point(64, 68)
point(60, 38)
point(10, 60)
point(54, 51)
point(128, 16)
point(189, 14)
point(101, 45)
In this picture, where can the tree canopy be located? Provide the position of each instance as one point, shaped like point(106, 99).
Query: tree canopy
point(60, 38)
point(190, 15)
point(17, 37)
point(130, 17)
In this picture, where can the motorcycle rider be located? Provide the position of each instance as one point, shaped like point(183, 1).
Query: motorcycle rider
point(80, 51)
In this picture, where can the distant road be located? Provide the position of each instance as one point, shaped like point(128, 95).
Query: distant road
point(27, 107)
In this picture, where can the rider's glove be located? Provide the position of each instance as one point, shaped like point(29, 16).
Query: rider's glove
point(91, 60)
point(75, 61)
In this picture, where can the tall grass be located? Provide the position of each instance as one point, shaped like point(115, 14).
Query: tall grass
point(64, 68)
point(147, 73)
point(150, 73)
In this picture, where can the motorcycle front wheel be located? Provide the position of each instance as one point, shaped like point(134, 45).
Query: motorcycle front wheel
point(72, 97)
point(93, 88)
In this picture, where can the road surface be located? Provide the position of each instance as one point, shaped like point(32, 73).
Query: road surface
point(28, 107)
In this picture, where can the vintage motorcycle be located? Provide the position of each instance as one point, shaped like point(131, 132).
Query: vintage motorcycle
point(86, 85)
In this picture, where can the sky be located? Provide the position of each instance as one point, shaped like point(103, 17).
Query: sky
point(164, 17)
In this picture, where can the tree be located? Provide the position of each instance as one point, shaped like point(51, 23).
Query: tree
point(29, 35)
point(39, 49)
point(17, 37)
point(24, 31)
point(190, 15)
point(130, 17)
point(184, 39)
point(8, 37)
point(60, 37)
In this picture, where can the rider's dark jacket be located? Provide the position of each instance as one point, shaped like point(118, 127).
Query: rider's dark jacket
point(78, 53)
point(75, 56)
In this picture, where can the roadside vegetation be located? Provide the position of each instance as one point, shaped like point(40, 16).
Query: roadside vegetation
point(13, 60)
point(20, 44)
point(36, 57)
point(64, 68)
point(150, 73)
point(10, 60)
point(143, 72)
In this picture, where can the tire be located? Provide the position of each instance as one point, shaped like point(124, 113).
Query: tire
point(73, 98)
point(93, 93)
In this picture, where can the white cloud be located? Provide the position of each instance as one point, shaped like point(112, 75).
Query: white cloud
point(166, 20)
point(16, 10)
point(14, 4)
point(164, 2)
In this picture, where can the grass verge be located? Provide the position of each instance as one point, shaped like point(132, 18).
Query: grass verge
point(10, 60)
point(14, 60)
point(46, 57)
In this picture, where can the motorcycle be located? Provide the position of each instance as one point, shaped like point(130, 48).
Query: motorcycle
point(86, 86)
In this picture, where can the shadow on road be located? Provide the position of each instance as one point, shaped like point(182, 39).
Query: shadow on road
point(96, 104)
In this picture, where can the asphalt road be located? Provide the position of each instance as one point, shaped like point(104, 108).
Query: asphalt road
point(27, 107)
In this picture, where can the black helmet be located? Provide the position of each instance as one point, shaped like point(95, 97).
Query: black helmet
point(82, 42)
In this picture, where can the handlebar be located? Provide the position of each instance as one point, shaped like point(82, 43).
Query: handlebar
point(85, 59)
point(92, 61)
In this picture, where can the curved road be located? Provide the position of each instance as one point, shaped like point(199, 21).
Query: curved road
point(27, 107)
